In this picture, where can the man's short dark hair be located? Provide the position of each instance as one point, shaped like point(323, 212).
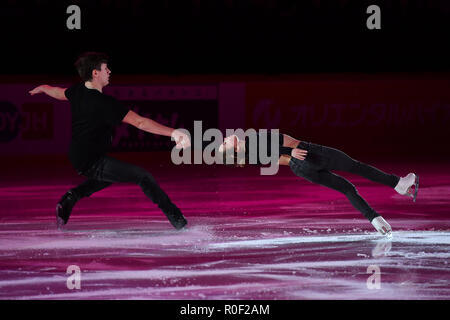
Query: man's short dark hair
point(89, 61)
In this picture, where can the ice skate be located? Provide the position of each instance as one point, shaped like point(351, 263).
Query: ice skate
point(179, 223)
point(382, 226)
point(64, 208)
point(405, 186)
point(176, 218)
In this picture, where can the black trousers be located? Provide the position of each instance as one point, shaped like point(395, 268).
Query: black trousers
point(321, 159)
point(108, 170)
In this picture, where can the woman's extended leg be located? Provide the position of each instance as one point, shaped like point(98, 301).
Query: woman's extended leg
point(338, 160)
point(338, 183)
point(328, 179)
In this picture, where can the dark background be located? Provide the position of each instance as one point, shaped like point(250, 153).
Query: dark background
point(321, 45)
point(206, 37)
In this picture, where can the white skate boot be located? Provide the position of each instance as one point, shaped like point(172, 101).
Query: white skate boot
point(382, 226)
point(405, 184)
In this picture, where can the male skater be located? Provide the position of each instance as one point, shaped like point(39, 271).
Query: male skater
point(94, 116)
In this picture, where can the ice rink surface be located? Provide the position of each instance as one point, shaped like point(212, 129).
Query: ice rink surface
point(249, 237)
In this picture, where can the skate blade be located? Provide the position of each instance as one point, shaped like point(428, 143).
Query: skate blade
point(416, 188)
point(385, 232)
point(59, 221)
point(413, 193)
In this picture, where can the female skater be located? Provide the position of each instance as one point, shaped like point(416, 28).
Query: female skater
point(314, 163)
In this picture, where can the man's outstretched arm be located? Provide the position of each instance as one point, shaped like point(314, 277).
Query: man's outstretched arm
point(149, 125)
point(54, 92)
